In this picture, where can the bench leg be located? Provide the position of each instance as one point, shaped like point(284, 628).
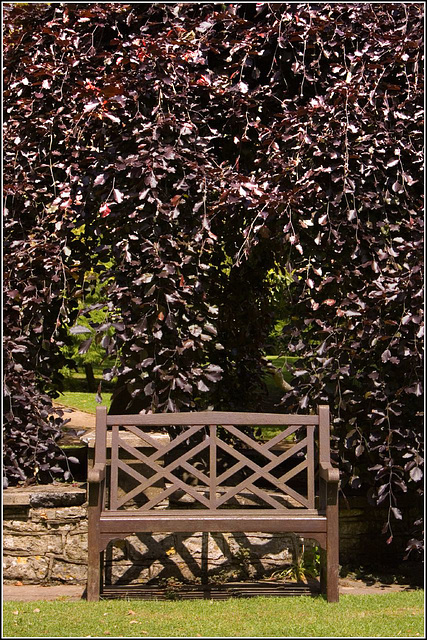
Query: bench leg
point(329, 568)
point(332, 555)
point(322, 570)
point(94, 574)
point(332, 568)
point(95, 560)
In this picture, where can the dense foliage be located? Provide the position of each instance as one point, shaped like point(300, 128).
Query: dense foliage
point(183, 152)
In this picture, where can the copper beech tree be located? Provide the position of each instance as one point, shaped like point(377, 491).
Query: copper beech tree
point(183, 151)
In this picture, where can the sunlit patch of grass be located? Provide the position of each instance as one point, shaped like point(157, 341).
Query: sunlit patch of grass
point(83, 401)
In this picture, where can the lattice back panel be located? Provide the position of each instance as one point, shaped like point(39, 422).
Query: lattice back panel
point(199, 469)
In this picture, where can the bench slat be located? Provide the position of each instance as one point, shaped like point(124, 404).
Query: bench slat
point(208, 513)
point(212, 417)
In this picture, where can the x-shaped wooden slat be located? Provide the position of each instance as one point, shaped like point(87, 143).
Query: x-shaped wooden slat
point(274, 461)
point(261, 472)
point(161, 472)
point(159, 451)
point(264, 449)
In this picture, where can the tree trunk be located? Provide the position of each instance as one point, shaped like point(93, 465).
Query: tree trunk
point(90, 378)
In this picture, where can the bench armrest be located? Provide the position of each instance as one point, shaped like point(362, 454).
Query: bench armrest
point(97, 473)
point(328, 473)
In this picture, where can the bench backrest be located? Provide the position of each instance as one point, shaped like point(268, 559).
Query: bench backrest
point(201, 452)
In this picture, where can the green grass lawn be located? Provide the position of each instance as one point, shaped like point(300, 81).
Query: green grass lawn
point(397, 614)
point(83, 401)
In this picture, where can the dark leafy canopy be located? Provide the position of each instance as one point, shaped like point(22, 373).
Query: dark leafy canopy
point(198, 146)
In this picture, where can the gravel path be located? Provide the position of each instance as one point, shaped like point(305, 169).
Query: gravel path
point(78, 419)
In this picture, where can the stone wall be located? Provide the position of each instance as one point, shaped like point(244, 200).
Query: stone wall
point(45, 535)
point(45, 542)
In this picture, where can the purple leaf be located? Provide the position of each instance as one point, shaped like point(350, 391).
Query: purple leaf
point(100, 179)
point(202, 387)
point(386, 355)
point(118, 195)
point(149, 389)
point(416, 474)
point(304, 402)
point(91, 106)
point(84, 347)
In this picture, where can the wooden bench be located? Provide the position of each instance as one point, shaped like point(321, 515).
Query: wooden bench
point(290, 477)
